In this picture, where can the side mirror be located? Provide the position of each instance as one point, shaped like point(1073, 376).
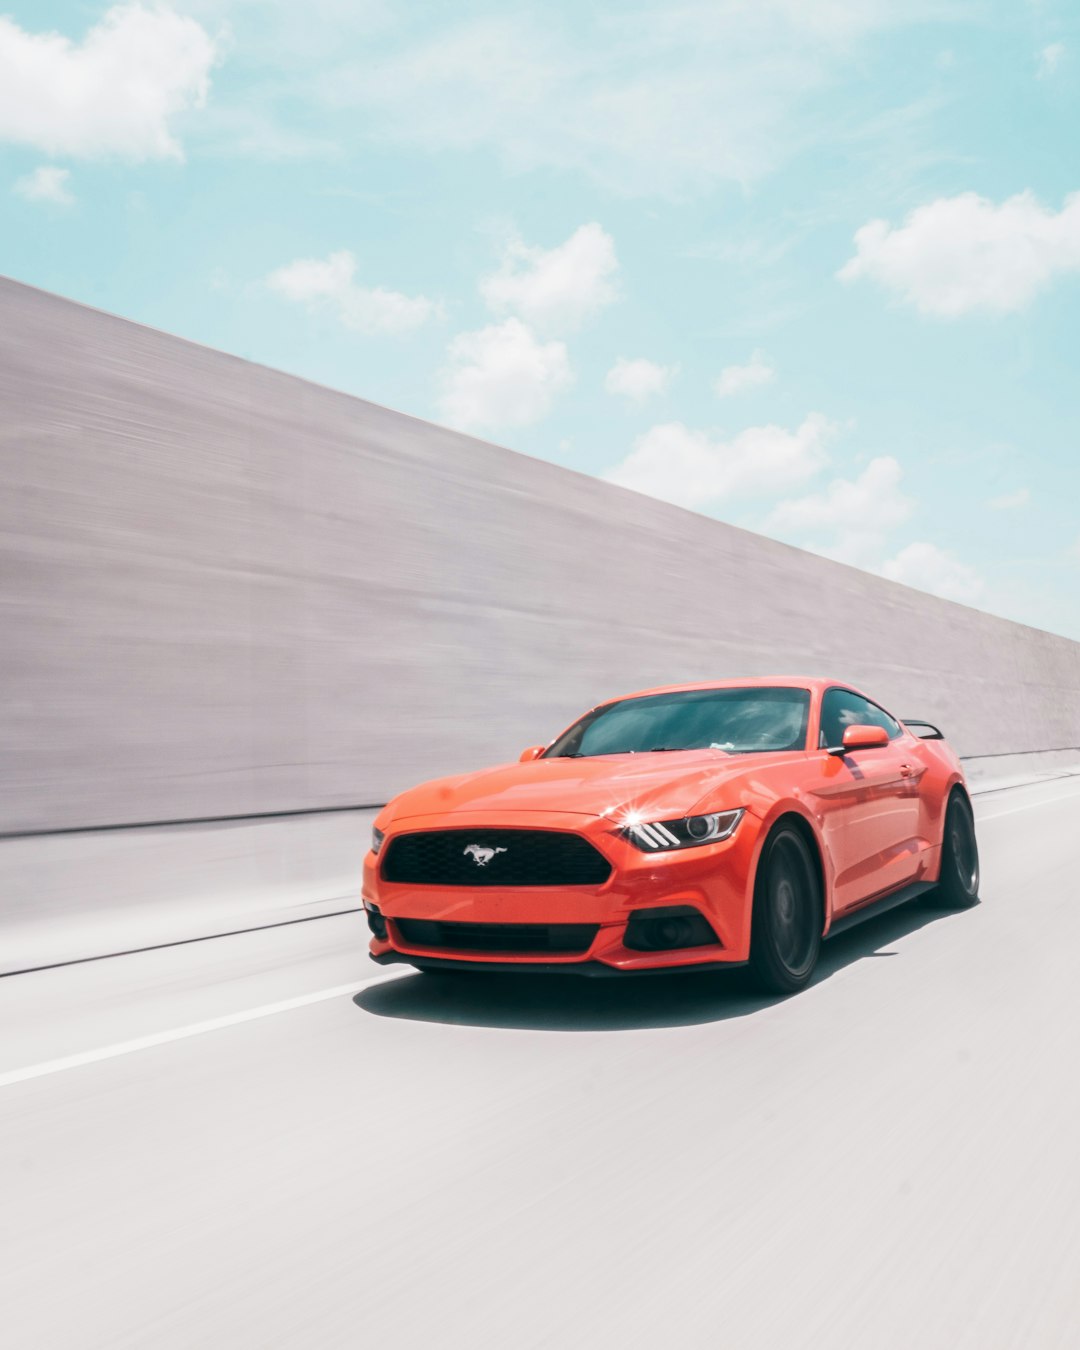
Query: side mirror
point(533, 752)
point(864, 738)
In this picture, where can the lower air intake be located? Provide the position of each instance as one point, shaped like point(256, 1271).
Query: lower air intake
point(541, 939)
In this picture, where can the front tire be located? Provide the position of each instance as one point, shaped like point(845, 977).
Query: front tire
point(958, 887)
point(785, 932)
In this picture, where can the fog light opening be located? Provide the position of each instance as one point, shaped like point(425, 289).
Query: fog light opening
point(670, 928)
point(375, 921)
point(670, 932)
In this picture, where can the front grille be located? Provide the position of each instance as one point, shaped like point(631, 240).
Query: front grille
point(564, 938)
point(477, 858)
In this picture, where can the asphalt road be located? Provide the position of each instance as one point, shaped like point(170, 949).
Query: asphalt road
point(234, 1144)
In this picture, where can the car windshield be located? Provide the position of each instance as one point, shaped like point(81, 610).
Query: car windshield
point(734, 720)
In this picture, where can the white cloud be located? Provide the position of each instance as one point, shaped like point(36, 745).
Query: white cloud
point(1050, 59)
point(330, 281)
point(505, 375)
point(638, 379)
point(691, 468)
point(929, 568)
point(964, 253)
point(734, 379)
point(1008, 501)
point(559, 288)
point(849, 520)
point(875, 490)
point(502, 376)
point(45, 184)
point(624, 94)
point(115, 93)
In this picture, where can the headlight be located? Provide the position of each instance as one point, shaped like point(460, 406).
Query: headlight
point(652, 836)
point(377, 837)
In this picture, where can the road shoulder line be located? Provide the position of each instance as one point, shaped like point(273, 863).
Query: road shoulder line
point(52, 1066)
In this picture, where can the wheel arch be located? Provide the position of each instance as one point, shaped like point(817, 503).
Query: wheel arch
point(956, 787)
point(790, 816)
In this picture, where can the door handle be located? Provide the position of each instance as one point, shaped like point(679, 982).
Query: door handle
point(906, 770)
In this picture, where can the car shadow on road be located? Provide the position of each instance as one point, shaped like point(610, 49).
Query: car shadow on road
point(573, 1003)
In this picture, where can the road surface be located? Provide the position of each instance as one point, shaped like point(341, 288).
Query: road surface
point(265, 1141)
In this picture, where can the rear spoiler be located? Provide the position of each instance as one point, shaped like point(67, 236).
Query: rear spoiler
point(929, 732)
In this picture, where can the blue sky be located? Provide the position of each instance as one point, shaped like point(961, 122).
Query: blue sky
point(809, 266)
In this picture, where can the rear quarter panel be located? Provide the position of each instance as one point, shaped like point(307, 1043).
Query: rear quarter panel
point(943, 772)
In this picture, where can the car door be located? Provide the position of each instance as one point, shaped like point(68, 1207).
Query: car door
point(867, 802)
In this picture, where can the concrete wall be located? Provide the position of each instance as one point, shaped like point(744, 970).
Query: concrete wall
point(226, 591)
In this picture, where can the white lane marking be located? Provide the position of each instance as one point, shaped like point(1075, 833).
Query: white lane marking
point(194, 1029)
point(1023, 786)
point(1030, 806)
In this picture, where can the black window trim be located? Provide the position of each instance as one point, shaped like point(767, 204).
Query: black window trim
point(846, 689)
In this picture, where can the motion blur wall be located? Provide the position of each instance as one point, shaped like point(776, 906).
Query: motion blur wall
point(226, 591)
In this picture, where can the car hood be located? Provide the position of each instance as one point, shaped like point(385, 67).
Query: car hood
point(664, 785)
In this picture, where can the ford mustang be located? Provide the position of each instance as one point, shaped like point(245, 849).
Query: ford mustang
point(693, 827)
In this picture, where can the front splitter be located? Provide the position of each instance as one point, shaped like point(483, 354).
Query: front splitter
point(591, 969)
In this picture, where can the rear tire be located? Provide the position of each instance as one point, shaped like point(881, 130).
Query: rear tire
point(958, 887)
point(785, 931)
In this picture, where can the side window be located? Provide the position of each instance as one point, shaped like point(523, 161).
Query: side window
point(840, 708)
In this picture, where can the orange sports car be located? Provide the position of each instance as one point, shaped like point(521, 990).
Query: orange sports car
point(693, 827)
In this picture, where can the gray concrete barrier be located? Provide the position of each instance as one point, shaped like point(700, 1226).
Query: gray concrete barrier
point(225, 591)
point(76, 897)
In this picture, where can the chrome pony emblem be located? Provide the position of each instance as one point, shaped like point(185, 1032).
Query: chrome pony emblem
point(481, 856)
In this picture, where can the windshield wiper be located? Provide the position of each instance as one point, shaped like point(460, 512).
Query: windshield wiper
point(665, 749)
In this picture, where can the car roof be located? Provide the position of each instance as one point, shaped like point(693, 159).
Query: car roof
point(815, 683)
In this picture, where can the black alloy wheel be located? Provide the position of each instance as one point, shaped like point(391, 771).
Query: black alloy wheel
point(958, 887)
point(785, 933)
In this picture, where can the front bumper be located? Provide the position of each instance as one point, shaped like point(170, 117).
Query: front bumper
point(714, 879)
